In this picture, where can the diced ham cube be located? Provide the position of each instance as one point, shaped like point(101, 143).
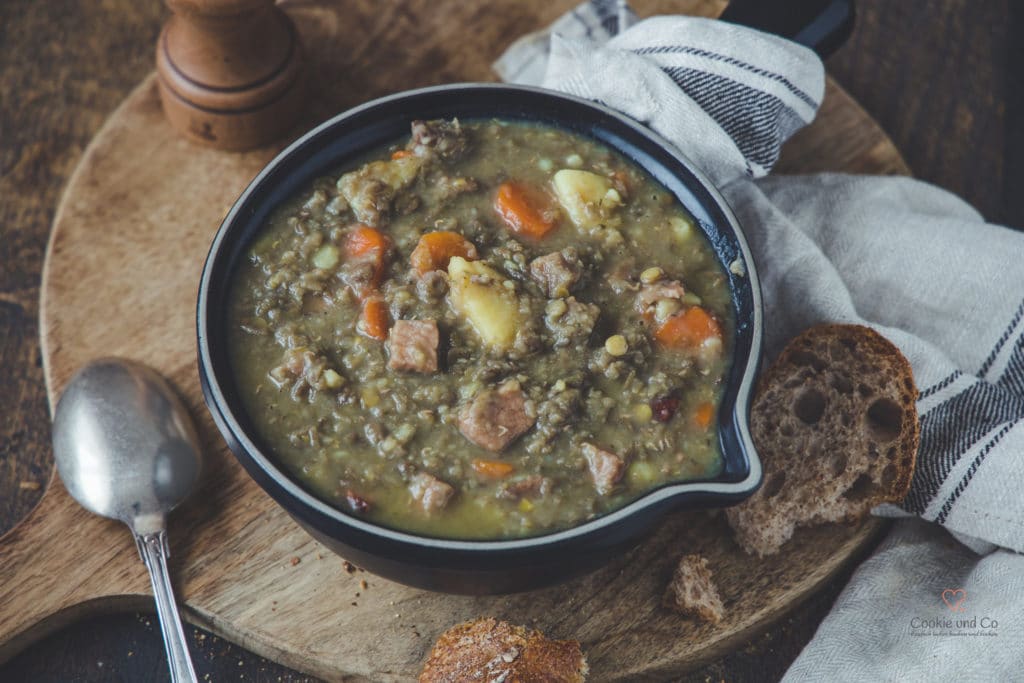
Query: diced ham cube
point(430, 492)
point(533, 486)
point(412, 345)
point(557, 272)
point(605, 468)
point(496, 417)
point(649, 295)
point(446, 139)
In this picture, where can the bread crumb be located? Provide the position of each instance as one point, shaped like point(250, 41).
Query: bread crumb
point(348, 567)
point(363, 584)
point(30, 486)
point(692, 591)
point(295, 561)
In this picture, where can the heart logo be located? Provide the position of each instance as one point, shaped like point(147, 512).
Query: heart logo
point(954, 599)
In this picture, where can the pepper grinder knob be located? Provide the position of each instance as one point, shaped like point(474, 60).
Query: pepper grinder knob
point(229, 72)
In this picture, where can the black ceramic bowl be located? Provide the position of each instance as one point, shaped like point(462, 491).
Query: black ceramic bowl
point(479, 566)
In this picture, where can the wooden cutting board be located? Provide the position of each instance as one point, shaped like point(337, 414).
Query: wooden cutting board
point(121, 276)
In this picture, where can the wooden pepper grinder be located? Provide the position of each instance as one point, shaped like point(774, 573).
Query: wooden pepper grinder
point(230, 71)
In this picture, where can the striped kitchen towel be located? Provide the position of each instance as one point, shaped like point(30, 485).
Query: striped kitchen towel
point(906, 258)
point(732, 111)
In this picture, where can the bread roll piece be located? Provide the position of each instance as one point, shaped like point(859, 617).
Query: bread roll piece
point(835, 425)
point(692, 591)
point(489, 650)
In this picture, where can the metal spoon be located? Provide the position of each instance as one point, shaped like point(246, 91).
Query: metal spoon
point(126, 449)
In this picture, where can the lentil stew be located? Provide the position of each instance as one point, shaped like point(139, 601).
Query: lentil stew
point(489, 330)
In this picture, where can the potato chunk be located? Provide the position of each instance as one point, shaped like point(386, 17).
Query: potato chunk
point(587, 198)
point(478, 294)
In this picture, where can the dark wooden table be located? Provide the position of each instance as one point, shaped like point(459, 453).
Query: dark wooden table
point(944, 78)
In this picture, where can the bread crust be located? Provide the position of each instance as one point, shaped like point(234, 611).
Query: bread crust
point(493, 651)
point(835, 425)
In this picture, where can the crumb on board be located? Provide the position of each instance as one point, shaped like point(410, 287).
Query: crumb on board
point(348, 566)
point(295, 561)
point(363, 584)
point(692, 591)
point(30, 486)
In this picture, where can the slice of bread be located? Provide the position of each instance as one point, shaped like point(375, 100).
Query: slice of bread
point(692, 591)
point(492, 650)
point(835, 425)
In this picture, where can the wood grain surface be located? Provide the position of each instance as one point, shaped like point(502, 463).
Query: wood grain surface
point(52, 99)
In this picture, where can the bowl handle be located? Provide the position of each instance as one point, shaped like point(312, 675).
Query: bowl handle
point(822, 25)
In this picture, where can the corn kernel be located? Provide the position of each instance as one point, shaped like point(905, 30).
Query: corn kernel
point(642, 413)
point(332, 379)
point(683, 227)
point(616, 345)
point(651, 275)
point(370, 397)
point(642, 473)
point(556, 308)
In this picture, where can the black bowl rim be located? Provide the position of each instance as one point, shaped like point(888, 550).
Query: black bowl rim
point(727, 490)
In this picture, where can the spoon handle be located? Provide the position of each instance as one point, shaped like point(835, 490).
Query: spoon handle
point(154, 551)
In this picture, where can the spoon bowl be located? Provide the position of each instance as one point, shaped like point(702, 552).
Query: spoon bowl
point(124, 444)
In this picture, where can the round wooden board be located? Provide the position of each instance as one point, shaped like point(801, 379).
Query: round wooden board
point(121, 275)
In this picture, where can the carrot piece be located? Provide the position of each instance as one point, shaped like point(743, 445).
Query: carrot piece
point(524, 210)
point(400, 154)
point(704, 414)
point(492, 469)
point(373, 322)
point(364, 240)
point(369, 245)
point(688, 329)
point(435, 249)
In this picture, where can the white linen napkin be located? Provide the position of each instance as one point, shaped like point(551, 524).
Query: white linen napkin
point(906, 258)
